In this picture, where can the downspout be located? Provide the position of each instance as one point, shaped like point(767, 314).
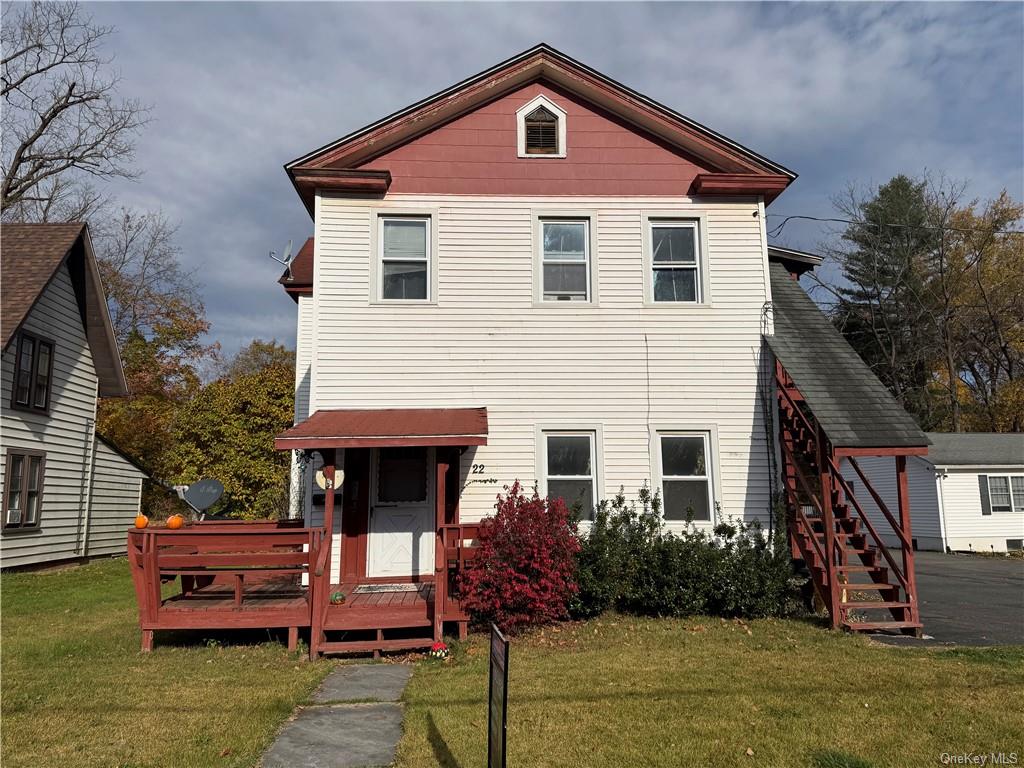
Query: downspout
point(939, 475)
point(85, 498)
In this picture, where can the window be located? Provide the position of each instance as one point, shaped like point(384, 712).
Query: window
point(675, 261)
point(405, 258)
point(1005, 494)
point(685, 477)
point(569, 467)
point(23, 488)
point(541, 127)
point(402, 475)
point(33, 371)
point(565, 259)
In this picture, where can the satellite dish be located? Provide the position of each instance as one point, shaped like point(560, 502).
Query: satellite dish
point(204, 494)
point(286, 260)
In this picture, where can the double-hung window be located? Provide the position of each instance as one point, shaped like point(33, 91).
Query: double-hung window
point(1005, 493)
point(569, 469)
point(675, 261)
point(23, 488)
point(685, 476)
point(565, 259)
point(33, 371)
point(404, 258)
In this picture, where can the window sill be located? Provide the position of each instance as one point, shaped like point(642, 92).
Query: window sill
point(19, 531)
point(403, 303)
point(30, 409)
point(562, 305)
point(675, 306)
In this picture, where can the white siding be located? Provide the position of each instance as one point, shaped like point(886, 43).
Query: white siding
point(966, 527)
point(116, 498)
point(65, 433)
point(621, 367)
point(924, 509)
point(303, 374)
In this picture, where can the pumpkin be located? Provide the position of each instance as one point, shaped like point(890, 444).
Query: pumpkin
point(175, 521)
point(141, 521)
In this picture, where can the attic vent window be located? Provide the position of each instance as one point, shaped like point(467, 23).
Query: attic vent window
point(541, 132)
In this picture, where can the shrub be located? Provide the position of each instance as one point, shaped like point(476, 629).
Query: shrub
point(523, 574)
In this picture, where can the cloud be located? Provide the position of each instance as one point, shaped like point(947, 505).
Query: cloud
point(845, 92)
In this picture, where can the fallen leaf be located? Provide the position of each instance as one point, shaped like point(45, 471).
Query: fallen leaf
point(749, 752)
point(225, 752)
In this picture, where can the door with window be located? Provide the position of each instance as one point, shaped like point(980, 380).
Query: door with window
point(402, 513)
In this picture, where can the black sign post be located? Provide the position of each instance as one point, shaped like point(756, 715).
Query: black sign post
point(497, 700)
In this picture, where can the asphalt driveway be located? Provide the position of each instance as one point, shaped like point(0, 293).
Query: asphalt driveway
point(969, 600)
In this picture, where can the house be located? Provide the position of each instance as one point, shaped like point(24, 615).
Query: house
point(542, 275)
point(68, 493)
point(967, 493)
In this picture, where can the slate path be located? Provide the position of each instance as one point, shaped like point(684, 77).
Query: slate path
point(355, 721)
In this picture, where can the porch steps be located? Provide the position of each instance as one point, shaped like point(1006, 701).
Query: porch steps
point(367, 646)
point(868, 605)
point(871, 626)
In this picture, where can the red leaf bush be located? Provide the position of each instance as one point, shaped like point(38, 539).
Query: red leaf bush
point(524, 572)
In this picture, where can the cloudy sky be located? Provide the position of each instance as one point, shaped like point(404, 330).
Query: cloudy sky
point(839, 93)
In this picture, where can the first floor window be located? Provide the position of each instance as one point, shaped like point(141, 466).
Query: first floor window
point(565, 259)
point(24, 487)
point(33, 368)
point(569, 459)
point(685, 477)
point(405, 258)
point(1006, 493)
point(675, 261)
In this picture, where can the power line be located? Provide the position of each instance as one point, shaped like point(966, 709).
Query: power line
point(786, 219)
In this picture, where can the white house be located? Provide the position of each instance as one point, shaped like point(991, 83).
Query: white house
point(539, 275)
point(67, 493)
point(967, 494)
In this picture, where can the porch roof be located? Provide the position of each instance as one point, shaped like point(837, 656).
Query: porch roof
point(387, 427)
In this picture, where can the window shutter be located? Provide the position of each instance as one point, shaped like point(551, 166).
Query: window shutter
point(986, 505)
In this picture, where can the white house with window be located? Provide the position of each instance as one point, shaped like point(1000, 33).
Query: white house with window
point(583, 266)
point(967, 495)
point(68, 494)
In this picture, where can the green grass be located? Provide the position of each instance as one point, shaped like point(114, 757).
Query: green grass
point(623, 692)
point(76, 691)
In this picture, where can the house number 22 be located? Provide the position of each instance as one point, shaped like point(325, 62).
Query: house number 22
point(477, 469)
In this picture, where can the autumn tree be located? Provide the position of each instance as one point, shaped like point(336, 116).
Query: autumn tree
point(64, 125)
point(227, 429)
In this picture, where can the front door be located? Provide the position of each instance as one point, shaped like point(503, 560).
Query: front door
point(402, 514)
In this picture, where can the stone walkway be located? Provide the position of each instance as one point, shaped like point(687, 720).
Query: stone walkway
point(354, 721)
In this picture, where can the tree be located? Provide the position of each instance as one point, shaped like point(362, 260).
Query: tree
point(257, 356)
point(227, 431)
point(63, 123)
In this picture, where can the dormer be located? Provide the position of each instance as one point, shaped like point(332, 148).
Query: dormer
point(540, 129)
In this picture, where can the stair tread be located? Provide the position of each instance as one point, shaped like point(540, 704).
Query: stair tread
point(882, 624)
point(865, 604)
point(865, 587)
point(860, 568)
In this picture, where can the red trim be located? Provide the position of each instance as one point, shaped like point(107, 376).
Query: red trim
point(769, 185)
point(299, 443)
point(911, 451)
point(308, 180)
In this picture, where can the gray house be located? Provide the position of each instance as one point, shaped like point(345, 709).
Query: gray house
point(68, 494)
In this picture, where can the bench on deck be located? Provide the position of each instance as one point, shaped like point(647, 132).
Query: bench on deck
point(232, 576)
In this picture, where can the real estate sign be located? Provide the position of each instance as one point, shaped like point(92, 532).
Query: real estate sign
point(497, 700)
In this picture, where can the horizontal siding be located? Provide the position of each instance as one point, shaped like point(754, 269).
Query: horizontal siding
point(619, 366)
point(116, 498)
point(65, 434)
point(303, 376)
point(966, 527)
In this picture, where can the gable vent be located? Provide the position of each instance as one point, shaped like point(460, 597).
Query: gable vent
point(541, 132)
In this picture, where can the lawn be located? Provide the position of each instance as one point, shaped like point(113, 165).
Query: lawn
point(627, 692)
point(76, 691)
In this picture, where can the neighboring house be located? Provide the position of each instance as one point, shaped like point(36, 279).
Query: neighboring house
point(67, 493)
point(541, 275)
point(967, 495)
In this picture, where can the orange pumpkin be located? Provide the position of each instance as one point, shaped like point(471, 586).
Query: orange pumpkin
point(141, 521)
point(175, 521)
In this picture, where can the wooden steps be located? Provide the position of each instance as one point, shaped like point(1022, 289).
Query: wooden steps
point(869, 626)
point(367, 646)
point(867, 605)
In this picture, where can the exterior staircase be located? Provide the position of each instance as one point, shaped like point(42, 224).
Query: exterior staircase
point(862, 583)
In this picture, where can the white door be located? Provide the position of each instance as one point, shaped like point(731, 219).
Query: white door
point(402, 514)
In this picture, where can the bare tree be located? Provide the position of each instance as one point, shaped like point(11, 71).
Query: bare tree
point(62, 120)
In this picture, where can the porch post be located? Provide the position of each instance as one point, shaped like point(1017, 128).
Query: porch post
point(825, 487)
point(440, 563)
point(320, 583)
point(903, 500)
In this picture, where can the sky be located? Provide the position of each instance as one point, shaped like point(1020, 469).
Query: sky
point(840, 93)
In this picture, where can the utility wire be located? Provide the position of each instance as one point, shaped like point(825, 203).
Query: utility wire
point(777, 230)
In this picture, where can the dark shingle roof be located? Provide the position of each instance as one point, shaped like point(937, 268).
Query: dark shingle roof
point(976, 448)
point(851, 404)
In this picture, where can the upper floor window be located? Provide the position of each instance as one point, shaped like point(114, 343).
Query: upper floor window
point(404, 258)
point(541, 129)
point(675, 261)
point(33, 371)
point(565, 259)
point(23, 488)
point(685, 476)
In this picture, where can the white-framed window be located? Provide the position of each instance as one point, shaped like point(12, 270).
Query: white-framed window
point(565, 259)
point(540, 129)
point(404, 258)
point(684, 464)
point(569, 469)
point(675, 260)
point(1005, 493)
